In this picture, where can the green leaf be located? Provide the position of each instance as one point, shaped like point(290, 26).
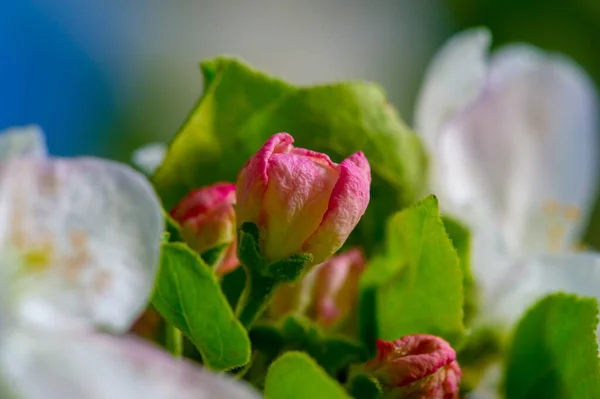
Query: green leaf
point(331, 351)
point(188, 295)
point(233, 284)
point(296, 376)
point(365, 387)
point(554, 352)
point(173, 228)
point(417, 281)
point(461, 239)
point(267, 339)
point(241, 108)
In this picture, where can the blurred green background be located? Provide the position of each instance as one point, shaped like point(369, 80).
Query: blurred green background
point(106, 77)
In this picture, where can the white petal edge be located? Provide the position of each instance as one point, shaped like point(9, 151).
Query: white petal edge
point(94, 366)
point(453, 80)
point(529, 280)
point(563, 106)
point(80, 243)
point(149, 157)
point(26, 141)
point(526, 150)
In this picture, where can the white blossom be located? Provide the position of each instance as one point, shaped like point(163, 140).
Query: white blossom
point(79, 252)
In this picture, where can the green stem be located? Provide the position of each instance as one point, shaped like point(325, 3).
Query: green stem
point(174, 341)
point(256, 296)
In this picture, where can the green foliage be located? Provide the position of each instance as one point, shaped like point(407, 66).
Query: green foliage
point(365, 387)
point(554, 352)
point(461, 240)
point(241, 108)
point(262, 278)
point(296, 376)
point(232, 285)
point(188, 295)
point(333, 352)
point(417, 282)
point(173, 229)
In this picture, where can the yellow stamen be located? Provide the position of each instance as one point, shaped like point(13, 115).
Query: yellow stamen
point(38, 259)
point(556, 233)
point(551, 207)
point(572, 213)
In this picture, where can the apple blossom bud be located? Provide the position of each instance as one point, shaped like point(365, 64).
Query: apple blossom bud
point(327, 293)
point(300, 200)
point(207, 220)
point(416, 366)
point(336, 286)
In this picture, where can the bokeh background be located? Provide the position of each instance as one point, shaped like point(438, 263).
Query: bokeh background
point(104, 77)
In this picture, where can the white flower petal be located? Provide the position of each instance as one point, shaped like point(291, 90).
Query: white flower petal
point(453, 80)
point(149, 157)
point(526, 151)
point(80, 242)
point(92, 366)
point(27, 141)
point(530, 280)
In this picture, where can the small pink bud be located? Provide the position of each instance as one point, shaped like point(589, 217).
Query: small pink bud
point(417, 366)
point(300, 200)
point(327, 293)
point(207, 220)
point(336, 286)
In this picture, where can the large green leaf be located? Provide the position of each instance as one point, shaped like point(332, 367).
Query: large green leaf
point(554, 354)
point(188, 295)
point(417, 282)
point(295, 375)
point(241, 108)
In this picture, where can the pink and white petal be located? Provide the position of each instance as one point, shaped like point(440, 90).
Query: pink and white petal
point(201, 200)
point(27, 141)
point(524, 153)
point(149, 157)
point(347, 204)
point(529, 280)
point(295, 201)
point(83, 237)
point(93, 366)
point(253, 179)
point(453, 80)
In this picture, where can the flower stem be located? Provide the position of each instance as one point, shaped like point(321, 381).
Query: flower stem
point(256, 296)
point(174, 341)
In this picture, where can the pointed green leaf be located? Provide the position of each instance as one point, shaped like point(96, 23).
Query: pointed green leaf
point(554, 354)
point(461, 240)
point(418, 281)
point(188, 295)
point(295, 375)
point(241, 108)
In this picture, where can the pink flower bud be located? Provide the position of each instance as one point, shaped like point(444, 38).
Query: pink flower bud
point(207, 220)
point(417, 366)
point(300, 200)
point(336, 286)
point(326, 294)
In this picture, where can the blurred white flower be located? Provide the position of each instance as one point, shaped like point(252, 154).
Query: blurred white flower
point(25, 141)
point(80, 244)
point(149, 157)
point(513, 141)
